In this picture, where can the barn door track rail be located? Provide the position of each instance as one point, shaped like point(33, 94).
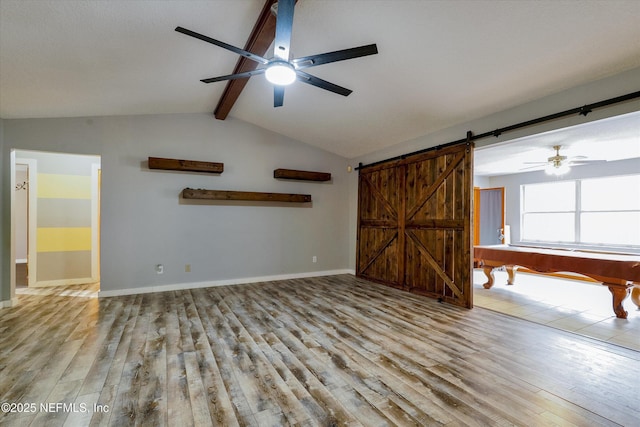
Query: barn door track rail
point(583, 111)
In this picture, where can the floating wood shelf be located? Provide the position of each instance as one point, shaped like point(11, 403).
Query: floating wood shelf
point(185, 165)
point(190, 193)
point(301, 175)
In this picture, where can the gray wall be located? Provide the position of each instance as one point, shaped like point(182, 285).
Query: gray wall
point(481, 181)
point(5, 219)
point(512, 183)
point(605, 88)
point(144, 223)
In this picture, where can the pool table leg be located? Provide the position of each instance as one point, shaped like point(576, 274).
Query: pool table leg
point(511, 272)
point(619, 294)
point(488, 271)
point(635, 295)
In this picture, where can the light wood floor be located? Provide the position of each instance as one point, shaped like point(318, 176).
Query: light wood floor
point(325, 351)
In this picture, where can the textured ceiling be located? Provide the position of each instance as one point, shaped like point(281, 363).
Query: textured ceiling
point(440, 63)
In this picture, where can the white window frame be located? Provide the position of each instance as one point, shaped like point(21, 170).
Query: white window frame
point(577, 243)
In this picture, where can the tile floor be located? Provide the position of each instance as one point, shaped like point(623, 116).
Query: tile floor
point(572, 305)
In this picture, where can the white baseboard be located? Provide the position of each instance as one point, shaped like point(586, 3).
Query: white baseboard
point(63, 282)
point(8, 303)
point(210, 284)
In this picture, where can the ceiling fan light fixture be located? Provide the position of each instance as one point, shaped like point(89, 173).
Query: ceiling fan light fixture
point(280, 73)
point(557, 169)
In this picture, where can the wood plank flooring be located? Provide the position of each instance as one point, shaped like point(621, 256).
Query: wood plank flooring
point(324, 351)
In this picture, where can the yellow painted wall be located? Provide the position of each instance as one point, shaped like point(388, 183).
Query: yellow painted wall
point(59, 239)
point(56, 186)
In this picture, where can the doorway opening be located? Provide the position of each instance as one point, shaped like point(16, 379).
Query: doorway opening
point(489, 211)
point(605, 153)
point(55, 215)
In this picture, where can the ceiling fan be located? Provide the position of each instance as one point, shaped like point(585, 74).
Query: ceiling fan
point(559, 165)
point(282, 70)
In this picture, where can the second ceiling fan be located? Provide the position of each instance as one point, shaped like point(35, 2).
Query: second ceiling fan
point(282, 70)
point(559, 165)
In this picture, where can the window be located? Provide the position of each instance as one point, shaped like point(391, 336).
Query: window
point(597, 211)
point(610, 210)
point(549, 212)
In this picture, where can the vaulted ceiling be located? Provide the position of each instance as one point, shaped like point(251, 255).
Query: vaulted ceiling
point(440, 63)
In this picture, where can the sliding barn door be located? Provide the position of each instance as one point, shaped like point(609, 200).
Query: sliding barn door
point(414, 224)
point(379, 205)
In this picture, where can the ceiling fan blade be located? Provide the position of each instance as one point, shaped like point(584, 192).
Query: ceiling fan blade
point(338, 55)
point(278, 96)
point(585, 162)
point(223, 45)
point(246, 74)
point(535, 163)
point(322, 84)
point(284, 25)
point(531, 167)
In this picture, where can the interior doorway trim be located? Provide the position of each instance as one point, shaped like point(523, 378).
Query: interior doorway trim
point(32, 173)
point(95, 221)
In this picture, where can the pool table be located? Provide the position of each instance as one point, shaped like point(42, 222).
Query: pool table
point(619, 272)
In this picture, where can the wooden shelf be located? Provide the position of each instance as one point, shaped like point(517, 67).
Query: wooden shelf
point(185, 165)
point(190, 193)
point(301, 175)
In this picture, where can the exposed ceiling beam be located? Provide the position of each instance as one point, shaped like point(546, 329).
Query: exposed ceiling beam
point(259, 41)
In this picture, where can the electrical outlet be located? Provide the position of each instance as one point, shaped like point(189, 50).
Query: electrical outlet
point(187, 268)
point(314, 259)
point(159, 268)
